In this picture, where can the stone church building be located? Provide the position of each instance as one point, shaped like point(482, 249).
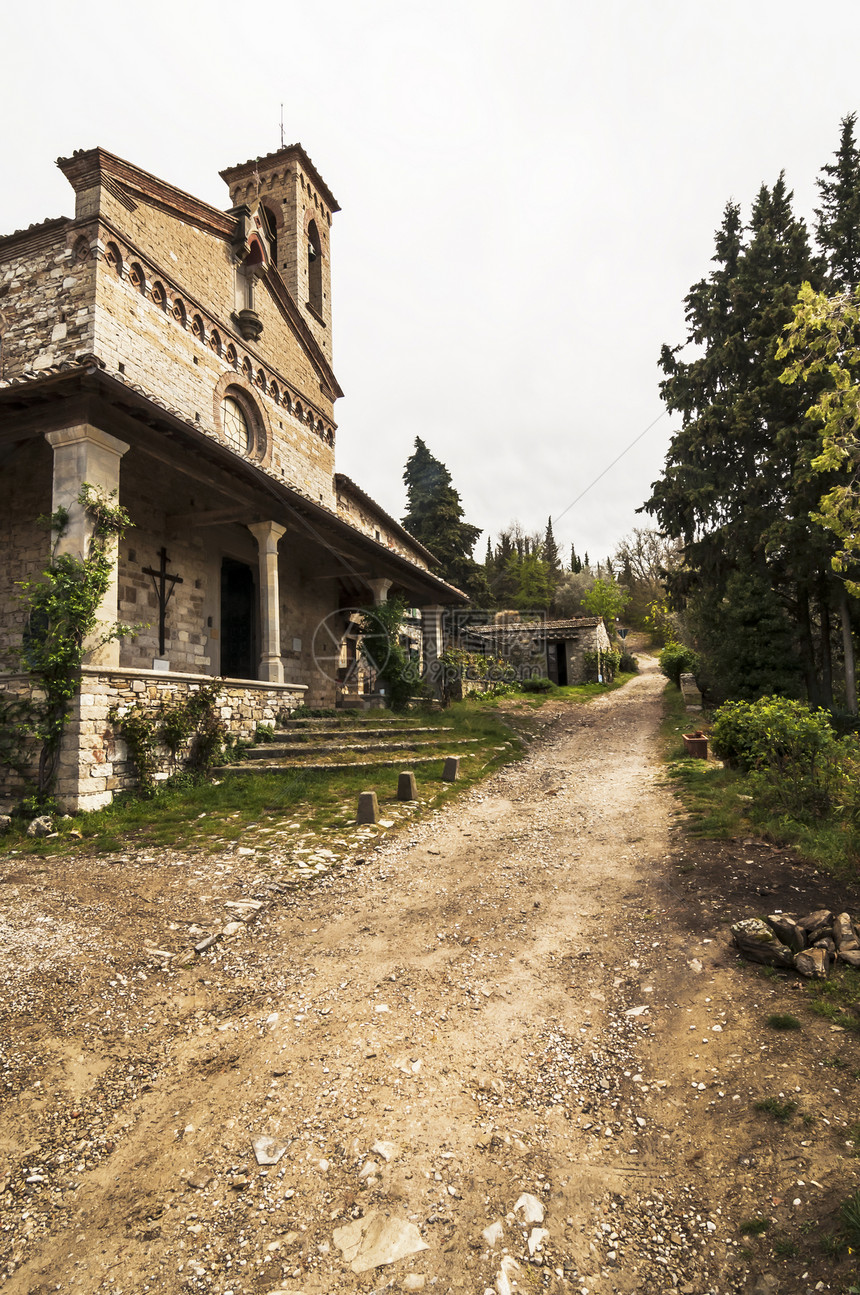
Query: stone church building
point(181, 356)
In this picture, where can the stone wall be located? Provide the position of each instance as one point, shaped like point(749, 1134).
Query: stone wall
point(95, 763)
point(152, 328)
point(47, 299)
point(362, 516)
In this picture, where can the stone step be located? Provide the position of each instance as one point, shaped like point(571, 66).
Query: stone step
point(286, 766)
point(308, 735)
point(354, 718)
point(266, 751)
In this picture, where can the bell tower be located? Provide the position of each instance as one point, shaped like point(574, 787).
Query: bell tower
point(296, 206)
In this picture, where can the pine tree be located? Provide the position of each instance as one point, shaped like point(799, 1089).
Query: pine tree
point(575, 564)
point(435, 517)
point(735, 486)
point(837, 229)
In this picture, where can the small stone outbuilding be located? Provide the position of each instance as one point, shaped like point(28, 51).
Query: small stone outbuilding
point(555, 649)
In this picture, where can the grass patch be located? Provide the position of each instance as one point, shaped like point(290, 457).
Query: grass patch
point(785, 1248)
point(580, 692)
point(783, 1021)
point(837, 999)
point(849, 1213)
point(710, 794)
point(780, 1110)
point(754, 1227)
point(831, 1244)
point(212, 815)
point(719, 805)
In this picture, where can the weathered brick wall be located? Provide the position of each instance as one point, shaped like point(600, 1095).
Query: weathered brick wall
point(46, 300)
point(291, 196)
point(24, 544)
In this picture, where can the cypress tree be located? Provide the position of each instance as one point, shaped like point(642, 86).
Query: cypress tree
point(550, 551)
point(435, 517)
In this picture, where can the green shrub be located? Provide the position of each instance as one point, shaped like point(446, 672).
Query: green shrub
point(628, 664)
point(601, 667)
point(772, 730)
point(796, 762)
point(675, 660)
point(541, 684)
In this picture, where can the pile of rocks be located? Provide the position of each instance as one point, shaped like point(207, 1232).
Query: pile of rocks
point(810, 945)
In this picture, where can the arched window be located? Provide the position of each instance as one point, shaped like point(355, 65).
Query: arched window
point(137, 276)
point(237, 428)
point(248, 369)
point(179, 312)
point(215, 341)
point(315, 295)
point(159, 296)
point(113, 258)
point(270, 225)
point(275, 393)
point(241, 424)
point(232, 357)
point(197, 328)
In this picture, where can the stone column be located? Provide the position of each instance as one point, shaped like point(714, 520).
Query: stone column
point(431, 635)
point(267, 535)
point(87, 454)
point(379, 587)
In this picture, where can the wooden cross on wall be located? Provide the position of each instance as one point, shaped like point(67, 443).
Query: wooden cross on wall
point(161, 579)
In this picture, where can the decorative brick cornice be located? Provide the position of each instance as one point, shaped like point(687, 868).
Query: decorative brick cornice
point(244, 171)
point(155, 272)
point(87, 168)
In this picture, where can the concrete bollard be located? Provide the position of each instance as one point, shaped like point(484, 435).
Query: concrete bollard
point(368, 807)
point(406, 786)
point(451, 771)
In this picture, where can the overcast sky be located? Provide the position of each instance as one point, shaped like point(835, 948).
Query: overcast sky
point(528, 191)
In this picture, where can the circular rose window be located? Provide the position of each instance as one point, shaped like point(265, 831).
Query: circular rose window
point(237, 429)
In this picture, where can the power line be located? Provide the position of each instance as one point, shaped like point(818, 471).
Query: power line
point(609, 467)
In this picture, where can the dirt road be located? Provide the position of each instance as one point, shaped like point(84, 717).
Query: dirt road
point(509, 1044)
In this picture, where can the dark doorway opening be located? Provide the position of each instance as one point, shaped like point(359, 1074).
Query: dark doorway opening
point(238, 640)
point(561, 664)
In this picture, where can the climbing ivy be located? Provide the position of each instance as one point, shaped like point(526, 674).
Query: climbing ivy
point(193, 717)
point(62, 606)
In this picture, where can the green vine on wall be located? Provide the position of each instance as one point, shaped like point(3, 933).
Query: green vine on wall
point(194, 719)
point(62, 606)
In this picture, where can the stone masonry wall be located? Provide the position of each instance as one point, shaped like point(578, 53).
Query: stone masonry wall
point(47, 287)
point(95, 761)
point(358, 514)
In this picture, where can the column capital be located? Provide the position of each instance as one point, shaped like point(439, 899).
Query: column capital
point(379, 587)
point(85, 432)
point(267, 533)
